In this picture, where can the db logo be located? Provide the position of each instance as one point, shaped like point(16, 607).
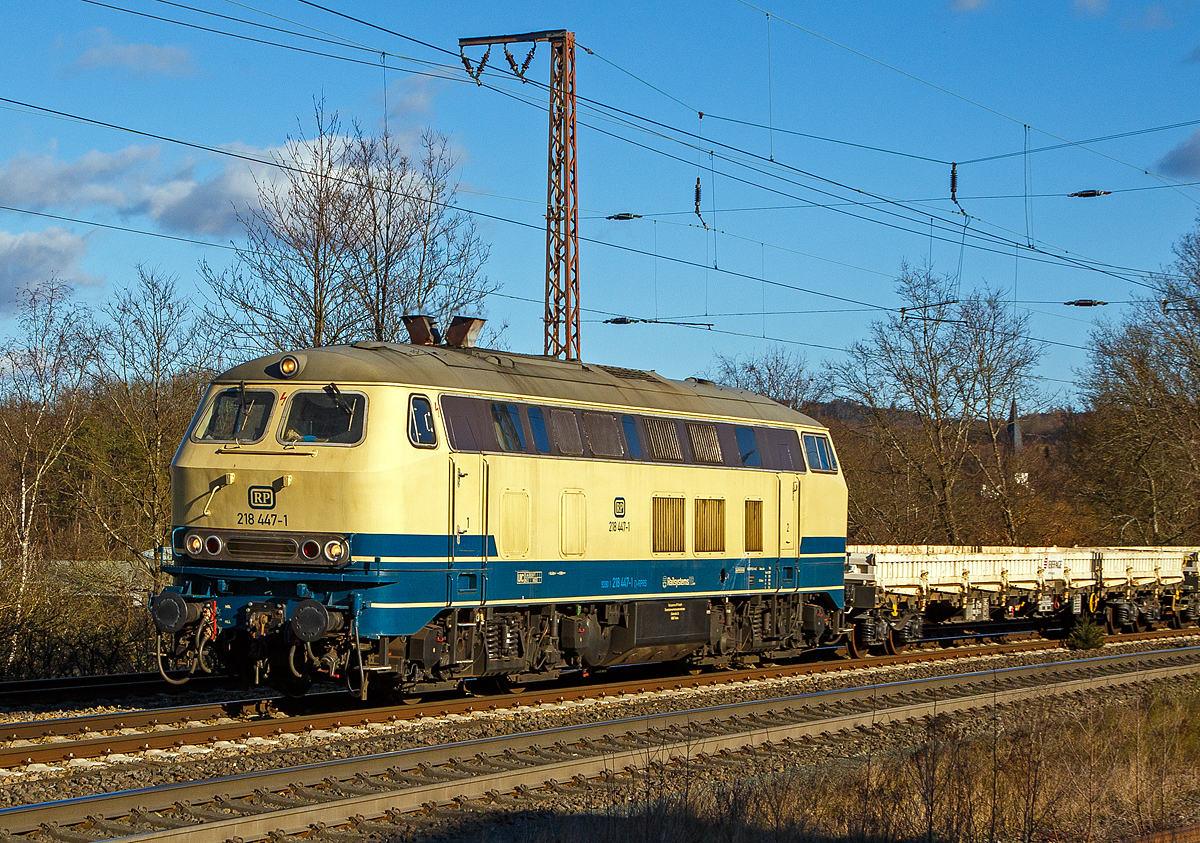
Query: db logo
point(262, 497)
point(619, 507)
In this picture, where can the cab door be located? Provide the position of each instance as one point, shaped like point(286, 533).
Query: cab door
point(786, 576)
point(468, 529)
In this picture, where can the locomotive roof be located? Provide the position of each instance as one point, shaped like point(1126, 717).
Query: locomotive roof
point(448, 368)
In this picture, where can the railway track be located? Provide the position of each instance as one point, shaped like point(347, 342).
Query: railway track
point(112, 686)
point(126, 733)
point(387, 793)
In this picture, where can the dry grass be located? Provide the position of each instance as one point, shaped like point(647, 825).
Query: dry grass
point(1062, 771)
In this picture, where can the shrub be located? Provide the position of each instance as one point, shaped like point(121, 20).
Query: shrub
point(1085, 635)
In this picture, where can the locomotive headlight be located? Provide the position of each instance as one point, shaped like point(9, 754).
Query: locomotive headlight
point(334, 551)
point(213, 545)
point(289, 366)
point(194, 544)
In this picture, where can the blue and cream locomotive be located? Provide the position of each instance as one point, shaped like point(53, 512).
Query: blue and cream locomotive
point(413, 516)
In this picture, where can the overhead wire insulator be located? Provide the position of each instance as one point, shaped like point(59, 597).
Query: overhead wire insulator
point(1089, 194)
point(1085, 303)
point(519, 72)
point(954, 189)
point(477, 71)
point(702, 222)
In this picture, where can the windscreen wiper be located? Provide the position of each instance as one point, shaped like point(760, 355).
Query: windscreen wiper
point(339, 399)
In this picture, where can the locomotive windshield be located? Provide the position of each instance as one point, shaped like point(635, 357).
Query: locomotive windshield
point(237, 415)
point(331, 416)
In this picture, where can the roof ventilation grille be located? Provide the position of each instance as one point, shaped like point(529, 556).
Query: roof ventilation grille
point(630, 374)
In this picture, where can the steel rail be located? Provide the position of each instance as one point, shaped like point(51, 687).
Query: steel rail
point(189, 734)
point(416, 776)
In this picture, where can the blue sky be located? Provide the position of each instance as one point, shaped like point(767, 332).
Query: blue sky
point(826, 221)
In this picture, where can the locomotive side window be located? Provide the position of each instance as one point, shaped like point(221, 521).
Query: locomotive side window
point(537, 423)
point(663, 439)
point(780, 449)
point(420, 423)
point(705, 445)
point(237, 415)
point(820, 454)
point(507, 419)
point(566, 432)
point(631, 437)
point(329, 417)
point(710, 526)
point(603, 435)
point(748, 447)
point(666, 517)
point(754, 526)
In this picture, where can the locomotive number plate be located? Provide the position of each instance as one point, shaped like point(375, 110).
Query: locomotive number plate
point(261, 519)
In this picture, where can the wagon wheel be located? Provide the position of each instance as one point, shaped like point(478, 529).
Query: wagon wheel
point(500, 685)
point(1176, 620)
point(1143, 623)
point(390, 691)
point(854, 649)
point(894, 644)
point(1110, 624)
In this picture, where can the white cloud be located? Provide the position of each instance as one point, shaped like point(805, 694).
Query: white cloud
point(95, 178)
point(1091, 8)
point(132, 182)
point(32, 257)
point(412, 96)
point(1183, 160)
point(203, 206)
point(1153, 17)
point(135, 59)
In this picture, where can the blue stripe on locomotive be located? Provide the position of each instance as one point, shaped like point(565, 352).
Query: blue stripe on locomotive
point(403, 588)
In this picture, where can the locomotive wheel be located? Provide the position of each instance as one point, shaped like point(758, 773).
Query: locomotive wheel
point(499, 685)
point(854, 650)
point(386, 691)
point(282, 676)
point(894, 645)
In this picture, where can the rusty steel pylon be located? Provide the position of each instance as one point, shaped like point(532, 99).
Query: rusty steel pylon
point(562, 195)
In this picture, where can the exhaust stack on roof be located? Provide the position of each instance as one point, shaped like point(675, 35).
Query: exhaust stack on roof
point(422, 330)
point(463, 331)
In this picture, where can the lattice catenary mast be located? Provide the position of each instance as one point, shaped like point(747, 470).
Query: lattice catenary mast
point(562, 214)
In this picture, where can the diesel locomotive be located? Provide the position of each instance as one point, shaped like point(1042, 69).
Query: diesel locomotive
point(413, 516)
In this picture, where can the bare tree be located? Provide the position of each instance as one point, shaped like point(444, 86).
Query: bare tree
point(287, 287)
point(1139, 458)
point(43, 371)
point(777, 373)
point(354, 235)
point(155, 358)
point(409, 249)
point(929, 380)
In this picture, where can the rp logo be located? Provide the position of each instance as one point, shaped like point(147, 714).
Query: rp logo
point(261, 497)
point(619, 507)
